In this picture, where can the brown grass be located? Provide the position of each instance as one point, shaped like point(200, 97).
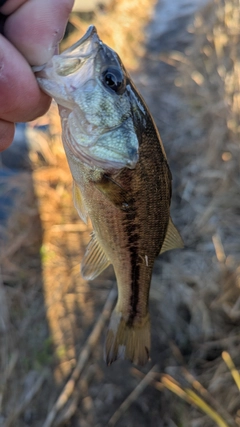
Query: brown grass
point(122, 28)
point(208, 82)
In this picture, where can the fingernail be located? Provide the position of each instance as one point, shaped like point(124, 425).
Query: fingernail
point(37, 68)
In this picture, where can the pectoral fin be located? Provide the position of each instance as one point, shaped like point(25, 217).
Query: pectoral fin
point(172, 239)
point(114, 192)
point(94, 260)
point(78, 202)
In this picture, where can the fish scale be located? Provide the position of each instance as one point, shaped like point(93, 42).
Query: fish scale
point(122, 182)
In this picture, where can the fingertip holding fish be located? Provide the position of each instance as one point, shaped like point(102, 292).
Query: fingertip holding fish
point(122, 181)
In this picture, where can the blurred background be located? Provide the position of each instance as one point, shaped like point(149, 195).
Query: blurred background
point(184, 57)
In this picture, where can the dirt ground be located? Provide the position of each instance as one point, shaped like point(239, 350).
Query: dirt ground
point(53, 323)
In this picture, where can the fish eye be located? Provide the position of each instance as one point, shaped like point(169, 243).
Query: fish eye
point(114, 80)
point(72, 65)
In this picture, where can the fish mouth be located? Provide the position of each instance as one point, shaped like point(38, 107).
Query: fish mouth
point(63, 73)
point(88, 45)
point(88, 39)
point(91, 37)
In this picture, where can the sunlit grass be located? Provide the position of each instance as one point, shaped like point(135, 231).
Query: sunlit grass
point(232, 368)
point(191, 397)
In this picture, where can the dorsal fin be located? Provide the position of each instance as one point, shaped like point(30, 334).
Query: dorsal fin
point(78, 202)
point(94, 260)
point(172, 239)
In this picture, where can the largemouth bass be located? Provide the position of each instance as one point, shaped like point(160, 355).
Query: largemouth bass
point(121, 181)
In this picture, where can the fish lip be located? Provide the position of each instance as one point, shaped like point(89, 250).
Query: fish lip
point(93, 44)
point(91, 33)
point(47, 75)
point(88, 45)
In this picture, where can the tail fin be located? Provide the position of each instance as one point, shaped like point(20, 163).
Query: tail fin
point(127, 342)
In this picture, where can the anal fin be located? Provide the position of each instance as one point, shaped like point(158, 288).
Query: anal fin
point(172, 239)
point(94, 260)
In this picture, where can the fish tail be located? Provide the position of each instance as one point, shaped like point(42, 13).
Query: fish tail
point(125, 341)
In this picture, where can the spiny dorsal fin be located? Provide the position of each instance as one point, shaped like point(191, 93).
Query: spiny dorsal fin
point(94, 260)
point(172, 239)
point(114, 192)
point(78, 202)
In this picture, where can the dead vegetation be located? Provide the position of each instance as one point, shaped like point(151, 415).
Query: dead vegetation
point(51, 366)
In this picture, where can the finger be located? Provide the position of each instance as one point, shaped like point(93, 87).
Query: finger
point(8, 6)
point(20, 96)
point(37, 27)
point(7, 130)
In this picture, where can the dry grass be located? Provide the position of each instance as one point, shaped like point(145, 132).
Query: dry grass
point(122, 28)
point(207, 273)
point(47, 311)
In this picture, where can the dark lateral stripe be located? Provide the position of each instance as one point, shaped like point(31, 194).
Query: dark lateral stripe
point(135, 275)
point(131, 230)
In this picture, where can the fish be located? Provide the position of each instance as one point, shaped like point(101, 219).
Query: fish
point(121, 181)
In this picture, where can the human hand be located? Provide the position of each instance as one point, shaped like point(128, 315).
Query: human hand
point(30, 36)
